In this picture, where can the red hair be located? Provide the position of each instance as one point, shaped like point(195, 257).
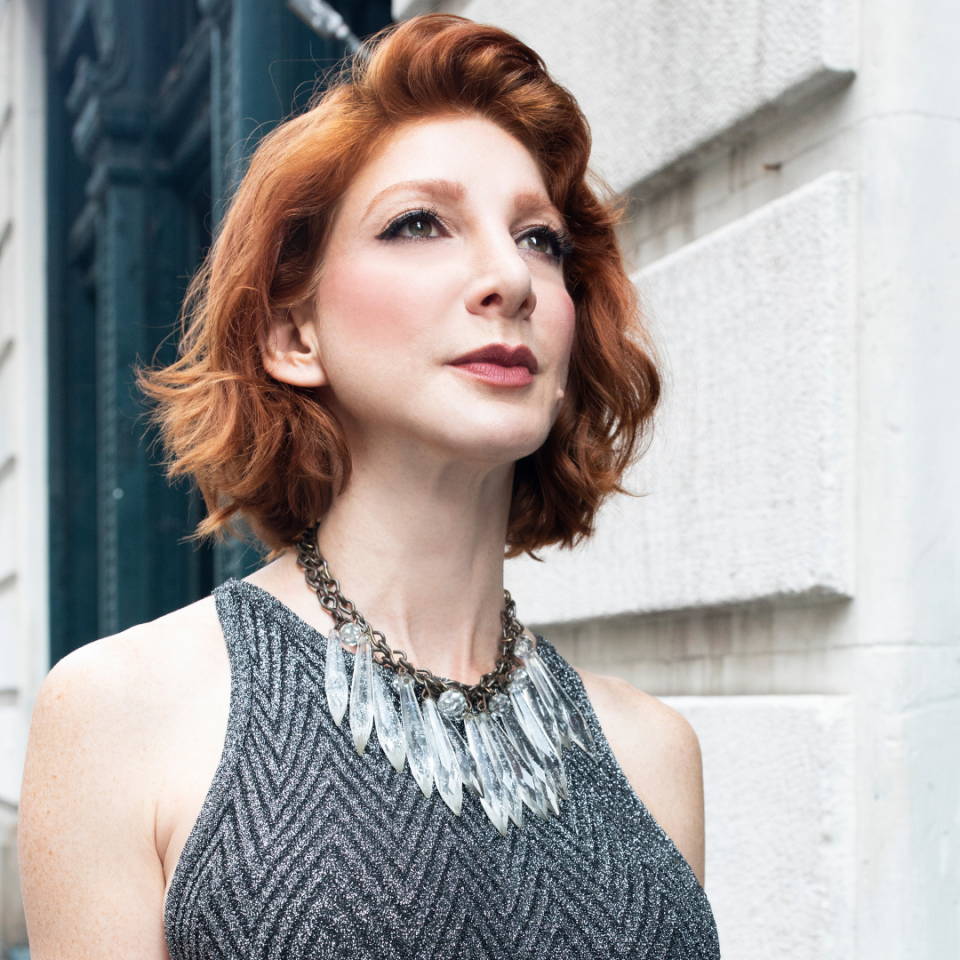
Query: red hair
point(274, 453)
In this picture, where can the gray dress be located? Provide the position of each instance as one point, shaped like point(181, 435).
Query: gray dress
point(305, 850)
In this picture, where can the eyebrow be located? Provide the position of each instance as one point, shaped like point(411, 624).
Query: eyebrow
point(528, 202)
point(442, 189)
point(532, 201)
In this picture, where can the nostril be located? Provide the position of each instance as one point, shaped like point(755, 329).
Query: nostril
point(490, 300)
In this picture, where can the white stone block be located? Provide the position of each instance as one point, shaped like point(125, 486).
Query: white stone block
point(8, 56)
point(8, 523)
point(8, 287)
point(8, 405)
point(13, 746)
point(8, 180)
point(779, 797)
point(666, 84)
point(8, 636)
point(748, 486)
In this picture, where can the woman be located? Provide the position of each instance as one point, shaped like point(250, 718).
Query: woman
point(416, 329)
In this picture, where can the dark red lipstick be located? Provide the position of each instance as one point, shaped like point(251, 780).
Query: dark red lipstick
point(500, 365)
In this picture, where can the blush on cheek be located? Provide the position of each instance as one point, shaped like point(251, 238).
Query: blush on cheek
point(363, 300)
point(563, 316)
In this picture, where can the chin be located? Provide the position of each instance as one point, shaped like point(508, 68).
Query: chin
point(499, 442)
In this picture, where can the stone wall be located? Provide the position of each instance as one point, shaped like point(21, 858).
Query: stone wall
point(23, 500)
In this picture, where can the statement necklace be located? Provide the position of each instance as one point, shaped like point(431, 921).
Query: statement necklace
point(501, 738)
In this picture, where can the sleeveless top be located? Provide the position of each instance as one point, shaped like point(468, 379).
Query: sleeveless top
point(303, 849)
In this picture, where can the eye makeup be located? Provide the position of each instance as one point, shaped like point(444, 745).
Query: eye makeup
point(559, 243)
point(541, 238)
point(413, 218)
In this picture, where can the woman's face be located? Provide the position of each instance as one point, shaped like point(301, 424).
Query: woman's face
point(441, 316)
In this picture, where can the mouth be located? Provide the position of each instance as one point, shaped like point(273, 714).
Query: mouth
point(500, 364)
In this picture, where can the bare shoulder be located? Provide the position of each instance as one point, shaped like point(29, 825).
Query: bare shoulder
point(139, 670)
point(659, 753)
point(665, 731)
point(113, 723)
point(122, 704)
point(127, 705)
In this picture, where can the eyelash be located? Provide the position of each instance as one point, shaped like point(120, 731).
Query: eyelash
point(561, 240)
point(395, 226)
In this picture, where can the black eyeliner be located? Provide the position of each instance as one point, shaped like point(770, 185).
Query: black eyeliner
point(561, 240)
point(395, 225)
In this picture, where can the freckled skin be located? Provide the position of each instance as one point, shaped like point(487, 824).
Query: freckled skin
point(127, 732)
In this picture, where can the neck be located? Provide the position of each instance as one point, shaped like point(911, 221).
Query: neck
point(418, 546)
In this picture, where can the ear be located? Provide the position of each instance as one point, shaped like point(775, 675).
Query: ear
point(291, 350)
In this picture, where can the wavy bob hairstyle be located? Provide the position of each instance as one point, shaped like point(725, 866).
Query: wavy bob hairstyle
point(275, 453)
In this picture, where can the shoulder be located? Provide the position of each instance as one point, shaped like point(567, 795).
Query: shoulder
point(642, 721)
point(117, 726)
point(142, 667)
point(659, 753)
point(125, 702)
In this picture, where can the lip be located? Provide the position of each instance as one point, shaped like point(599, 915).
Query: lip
point(500, 364)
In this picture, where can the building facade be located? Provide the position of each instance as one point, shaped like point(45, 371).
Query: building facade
point(788, 577)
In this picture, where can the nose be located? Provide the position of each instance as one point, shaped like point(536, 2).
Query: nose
point(501, 287)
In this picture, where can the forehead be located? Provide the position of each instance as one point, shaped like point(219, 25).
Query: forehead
point(470, 151)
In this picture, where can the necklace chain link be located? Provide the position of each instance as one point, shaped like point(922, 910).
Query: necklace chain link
point(331, 598)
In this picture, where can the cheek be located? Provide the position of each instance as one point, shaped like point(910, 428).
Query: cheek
point(371, 303)
point(559, 326)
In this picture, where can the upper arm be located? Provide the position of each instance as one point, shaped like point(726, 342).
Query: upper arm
point(91, 878)
point(660, 756)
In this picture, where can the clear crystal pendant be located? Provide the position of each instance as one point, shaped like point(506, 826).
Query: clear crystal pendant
point(547, 715)
point(549, 754)
point(453, 705)
point(545, 765)
point(548, 697)
point(574, 727)
point(510, 773)
point(469, 774)
point(532, 782)
point(521, 755)
point(493, 800)
point(579, 729)
point(521, 696)
point(361, 696)
point(389, 727)
point(446, 768)
point(419, 749)
point(335, 681)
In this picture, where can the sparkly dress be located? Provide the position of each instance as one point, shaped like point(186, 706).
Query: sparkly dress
point(303, 849)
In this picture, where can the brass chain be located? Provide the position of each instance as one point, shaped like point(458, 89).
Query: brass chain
point(331, 598)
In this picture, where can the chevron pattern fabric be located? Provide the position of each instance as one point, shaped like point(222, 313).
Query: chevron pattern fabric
point(305, 850)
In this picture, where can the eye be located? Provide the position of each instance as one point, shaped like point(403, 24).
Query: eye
point(415, 225)
point(546, 241)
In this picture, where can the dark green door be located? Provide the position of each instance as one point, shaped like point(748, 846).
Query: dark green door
point(153, 108)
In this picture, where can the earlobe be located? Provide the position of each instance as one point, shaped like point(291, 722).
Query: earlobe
point(291, 350)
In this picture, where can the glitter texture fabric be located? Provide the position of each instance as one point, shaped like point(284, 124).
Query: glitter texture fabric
point(303, 849)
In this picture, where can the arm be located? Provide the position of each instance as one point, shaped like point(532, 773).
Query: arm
point(660, 755)
point(92, 880)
